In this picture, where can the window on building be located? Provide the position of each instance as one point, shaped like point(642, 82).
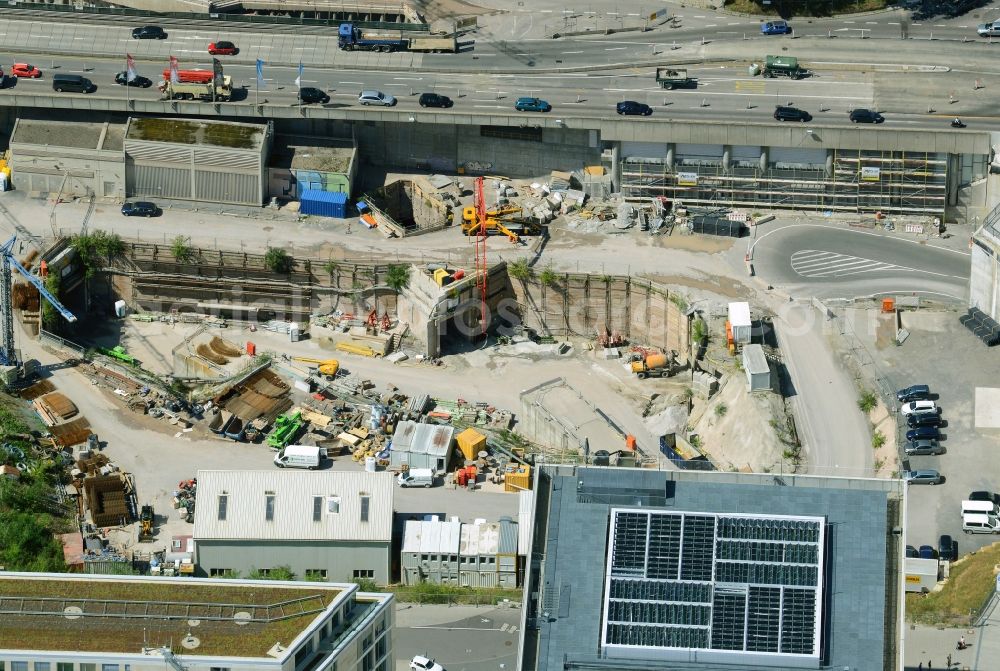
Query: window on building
point(223, 504)
point(109, 667)
point(269, 506)
point(218, 668)
point(453, 558)
point(316, 573)
point(264, 572)
point(333, 504)
point(220, 572)
point(42, 666)
point(18, 666)
point(317, 508)
point(60, 666)
point(491, 560)
point(86, 666)
point(364, 573)
point(365, 502)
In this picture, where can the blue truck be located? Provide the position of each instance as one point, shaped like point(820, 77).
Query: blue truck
point(355, 38)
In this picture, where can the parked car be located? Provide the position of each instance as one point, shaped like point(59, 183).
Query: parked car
point(947, 548)
point(435, 100)
point(866, 116)
point(376, 98)
point(927, 552)
point(912, 553)
point(138, 80)
point(916, 407)
point(148, 33)
point(25, 70)
point(532, 105)
point(420, 663)
point(223, 48)
point(775, 28)
point(983, 495)
point(311, 94)
point(633, 108)
point(923, 477)
point(923, 419)
point(785, 113)
point(913, 393)
point(140, 208)
point(917, 447)
point(924, 432)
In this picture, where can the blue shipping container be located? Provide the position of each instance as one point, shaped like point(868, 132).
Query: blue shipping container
point(323, 203)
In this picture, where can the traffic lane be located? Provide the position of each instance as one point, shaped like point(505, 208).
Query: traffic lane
point(483, 642)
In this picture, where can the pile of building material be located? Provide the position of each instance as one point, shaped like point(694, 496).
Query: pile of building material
point(184, 498)
point(55, 408)
point(263, 394)
point(110, 499)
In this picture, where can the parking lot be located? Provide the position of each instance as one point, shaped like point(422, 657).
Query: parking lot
point(459, 638)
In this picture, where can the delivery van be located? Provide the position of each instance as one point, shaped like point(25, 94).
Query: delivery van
point(299, 456)
point(980, 524)
point(980, 508)
point(416, 477)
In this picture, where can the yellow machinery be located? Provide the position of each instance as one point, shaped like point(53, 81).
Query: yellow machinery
point(146, 524)
point(363, 350)
point(328, 367)
point(470, 222)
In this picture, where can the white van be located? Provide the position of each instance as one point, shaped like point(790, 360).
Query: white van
point(416, 477)
point(980, 524)
point(299, 456)
point(980, 508)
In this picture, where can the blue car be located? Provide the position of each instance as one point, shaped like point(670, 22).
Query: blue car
point(775, 28)
point(532, 105)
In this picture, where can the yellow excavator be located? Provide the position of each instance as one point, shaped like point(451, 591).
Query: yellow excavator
point(470, 223)
point(327, 367)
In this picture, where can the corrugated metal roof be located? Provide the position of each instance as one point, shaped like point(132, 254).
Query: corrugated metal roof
point(294, 491)
point(508, 538)
point(432, 439)
point(431, 537)
point(739, 314)
point(480, 539)
point(754, 361)
point(525, 520)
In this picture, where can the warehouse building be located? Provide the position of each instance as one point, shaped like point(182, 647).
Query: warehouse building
point(421, 446)
point(197, 159)
point(150, 624)
point(311, 163)
point(481, 554)
point(645, 569)
point(330, 525)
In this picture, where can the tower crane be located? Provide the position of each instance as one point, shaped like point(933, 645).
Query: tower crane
point(8, 354)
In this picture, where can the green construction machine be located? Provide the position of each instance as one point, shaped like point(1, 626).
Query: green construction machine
point(783, 66)
point(286, 427)
point(118, 352)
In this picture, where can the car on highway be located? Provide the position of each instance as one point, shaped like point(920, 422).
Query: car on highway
point(924, 433)
point(138, 80)
point(223, 48)
point(866, 116)
point(983, 495)
point(923, 477)
point(775, 28)
point(149, 33)
point(918, 447)
point(421, 663)
point(991, 29)
point(311, 94)
point(927, 552)
point(532, 105)
point(140, 208)
point(633, 108)
point(914, 407)
point(913, 393)
point(434, 100)
point(947, 548)
point(376, 98)
point(923, 419)
point(786, 113)
point(25, 70)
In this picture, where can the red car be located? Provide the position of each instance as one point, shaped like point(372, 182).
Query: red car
point(25, 70)
point(222, 49)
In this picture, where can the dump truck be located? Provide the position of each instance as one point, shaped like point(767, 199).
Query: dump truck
point(670, 78)
point(653, 365)
point(783, 66)
point(355, 38)
point(197, 90)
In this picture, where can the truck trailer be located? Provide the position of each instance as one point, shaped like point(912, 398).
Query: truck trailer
point(783, 66)
point(672, 78)
point(354, 38)
point(191, 76)
point(197, 91)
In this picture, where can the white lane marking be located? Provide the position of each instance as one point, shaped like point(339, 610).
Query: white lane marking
point(570, 52)
point(832, 265)
point(411, 79)
point(615, 48)
point(358, 83)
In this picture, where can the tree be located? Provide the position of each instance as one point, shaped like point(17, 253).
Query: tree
point(277, 573)
point(699, 330)
point(50, 316)
point(398, 277)
point(278, 260)
point(181, 249)
point(520, 270)
point(867, 401)
point(91, 247)
point(548, 277)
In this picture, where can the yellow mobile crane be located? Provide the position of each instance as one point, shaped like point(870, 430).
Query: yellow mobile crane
point(327, 367)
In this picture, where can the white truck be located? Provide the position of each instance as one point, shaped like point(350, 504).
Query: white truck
point(197, 90)
point(299, 456)
point(416, 477)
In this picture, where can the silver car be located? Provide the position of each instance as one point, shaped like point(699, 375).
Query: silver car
point(924, 477)
point(927, 446)
point(376, 98)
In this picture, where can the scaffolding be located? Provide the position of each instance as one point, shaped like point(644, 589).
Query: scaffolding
point(851, 181)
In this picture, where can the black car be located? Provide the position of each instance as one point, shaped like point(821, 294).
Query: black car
point(785, 113)
point(633, 108)
point(923, 419)
point(311, 94)
point(138, 80)
point(917, 392)
point(911, 552)
point(947, 548)
point(140, 208)
point(924, 433)
point(983, 495)
point(148, 33)
point(435, 100)
point(866, 116)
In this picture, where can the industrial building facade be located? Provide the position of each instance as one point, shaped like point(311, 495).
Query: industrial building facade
point(482, 554)
point(984, 280)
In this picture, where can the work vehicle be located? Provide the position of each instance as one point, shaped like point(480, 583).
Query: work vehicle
point(223, 48)
point(138, 80)
point(980, 524)
point(866, 116)
point(916, 407)
point(421, 663)
point(991, 29)
point(434, 100)
point(311, 94)
point(416, 477)
point(286, 427)
point(786, 113)
point(197, 76)
point(653, 365)
point(918, 447)
point(501, 221)
point(25, 70)
point(913, 393)
point(923, 477)
point(923, 419)
point(532, 105)
point(980, 507)
point(146, 518)
point(927, 552)
point(354, 38)
point(149, 33)
point(947, 548)
point(196, 91)
point(140, 208)
point(376, 98)
point(775, 28)
point(633, 108)
point(72, 83)
point(783, 66)
point(924, 432)
point(299, 456)
point(983, 495)
point(672, 78)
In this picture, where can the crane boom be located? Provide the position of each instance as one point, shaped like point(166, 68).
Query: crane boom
point(38, 284)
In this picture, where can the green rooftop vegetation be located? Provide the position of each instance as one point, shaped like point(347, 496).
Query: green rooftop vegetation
point(190, 131)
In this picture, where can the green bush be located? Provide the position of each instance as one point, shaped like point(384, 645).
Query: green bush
point(181, 249)
point(520, 270)
point(50, 316)
point(398, 277)
point(548, 277)
point(278, 260)
point(867, 401)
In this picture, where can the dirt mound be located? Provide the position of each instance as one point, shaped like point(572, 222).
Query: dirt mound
point(223, 348)
point(205, 352)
